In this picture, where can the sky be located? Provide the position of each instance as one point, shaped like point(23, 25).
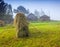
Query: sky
point(50, 7)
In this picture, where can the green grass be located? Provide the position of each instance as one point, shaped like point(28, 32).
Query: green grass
point(46, 34)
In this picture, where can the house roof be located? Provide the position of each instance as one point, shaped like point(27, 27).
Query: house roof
point(44, 16)
point(31, 15)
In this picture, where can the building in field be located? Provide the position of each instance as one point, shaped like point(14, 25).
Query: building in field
point(44, 18)
point(32, 17)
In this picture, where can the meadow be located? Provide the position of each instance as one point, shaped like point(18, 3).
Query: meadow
point(42, 34)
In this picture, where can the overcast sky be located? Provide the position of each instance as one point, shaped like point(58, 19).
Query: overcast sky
point(50, 7)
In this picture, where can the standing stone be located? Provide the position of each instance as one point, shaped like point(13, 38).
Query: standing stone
point(21, 25)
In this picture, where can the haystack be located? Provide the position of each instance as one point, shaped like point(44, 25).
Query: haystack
point(21, 25)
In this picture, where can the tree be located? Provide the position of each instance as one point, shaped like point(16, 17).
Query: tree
point(9, 10)
point(21, 9)
point(37, 13)
point(42, 13)
point(2, 6)
point(9, 14)
point(2, 9)
point(6, 13)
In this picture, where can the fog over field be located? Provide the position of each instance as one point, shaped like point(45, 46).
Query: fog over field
point(50, 7)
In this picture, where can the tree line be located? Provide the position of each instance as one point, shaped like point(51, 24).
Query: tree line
point(6, 13)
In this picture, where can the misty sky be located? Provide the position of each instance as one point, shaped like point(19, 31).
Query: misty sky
point(50, 7)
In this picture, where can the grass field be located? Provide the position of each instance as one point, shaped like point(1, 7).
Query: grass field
point(46, 34)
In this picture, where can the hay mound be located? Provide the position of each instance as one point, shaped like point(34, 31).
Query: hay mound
point(21, 25)
point(2, 23)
